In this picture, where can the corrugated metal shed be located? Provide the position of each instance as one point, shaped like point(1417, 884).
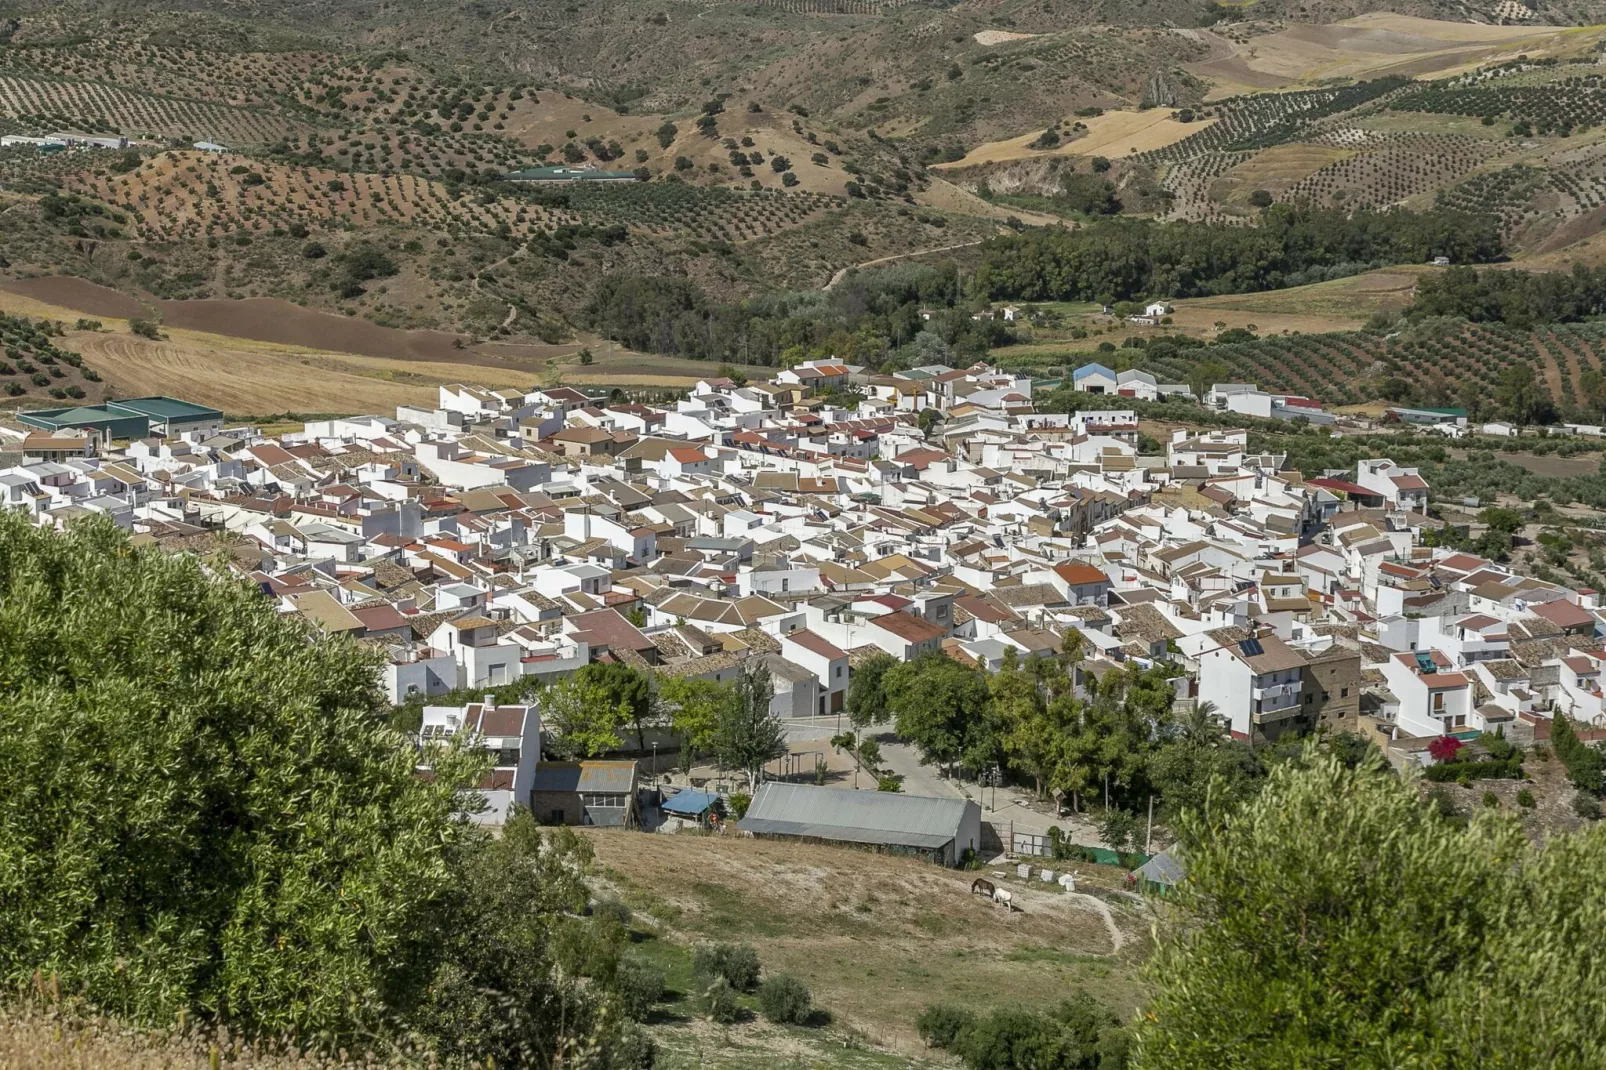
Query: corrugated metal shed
point(1164, 869)
point(600, 777)
point(878, 817)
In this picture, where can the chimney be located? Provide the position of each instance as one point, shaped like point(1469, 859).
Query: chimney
point(490, 703)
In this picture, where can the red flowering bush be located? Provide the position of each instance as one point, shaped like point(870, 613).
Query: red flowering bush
point(1445, 748)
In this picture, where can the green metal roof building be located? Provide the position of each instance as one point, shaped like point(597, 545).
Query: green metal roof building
point(129, 418)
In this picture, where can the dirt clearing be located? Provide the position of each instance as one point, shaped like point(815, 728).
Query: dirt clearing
point(1348, 302)
point(1115, 134)
point(79, 295)
point(1001, 37)
point(268, 319)
point(878, 938)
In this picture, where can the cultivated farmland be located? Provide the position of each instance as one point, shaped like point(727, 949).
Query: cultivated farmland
point(185, 195)
point(50, 103)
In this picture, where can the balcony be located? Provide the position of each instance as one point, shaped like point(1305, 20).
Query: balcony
point(1276, 694)
point(1275, 700)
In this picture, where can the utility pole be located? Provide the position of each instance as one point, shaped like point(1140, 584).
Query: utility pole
point(1148, 839)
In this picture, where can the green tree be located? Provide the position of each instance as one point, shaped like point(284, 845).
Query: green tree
point(867, 696)
point(1116, 828)
point(694, 709)
point(626, 689)
point(584, 715)
point(1508, 521)
point(1520, 396)
point(205, 811)
point(1032, 735)
point(1392, 945)
point(938, 705)
point(746, 734)
point(1586, 766)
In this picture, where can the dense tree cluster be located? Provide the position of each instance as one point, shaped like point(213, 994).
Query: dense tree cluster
point(204, 810)
point(1518, 298)
point(1122, 259)
point(1393, 938)
point(871, 317)
point(1110, 740)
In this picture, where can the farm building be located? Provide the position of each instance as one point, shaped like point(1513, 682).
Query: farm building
point(1429, 416)
point(1094, 379)
point(128, 419)
point(939, 830)
point(585, 793)
point(560, 173)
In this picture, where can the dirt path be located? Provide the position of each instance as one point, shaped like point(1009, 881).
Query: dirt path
point(842, 273)
point(1117, 937)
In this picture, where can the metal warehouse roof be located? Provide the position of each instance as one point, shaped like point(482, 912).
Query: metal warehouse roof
point(854, 816)
point(165, 408)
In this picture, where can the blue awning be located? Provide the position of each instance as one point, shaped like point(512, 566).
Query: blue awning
point(690, 802)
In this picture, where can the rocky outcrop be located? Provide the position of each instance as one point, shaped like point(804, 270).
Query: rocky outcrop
point(1159, 91)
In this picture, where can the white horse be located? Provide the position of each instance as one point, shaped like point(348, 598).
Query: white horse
point(1006, 897)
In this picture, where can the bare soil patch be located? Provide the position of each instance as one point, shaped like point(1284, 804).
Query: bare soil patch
point(80, 295)
point(268, 319)
point(242, 378)
point(1001, 37)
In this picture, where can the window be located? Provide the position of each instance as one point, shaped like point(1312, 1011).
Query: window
point(839, 672)
point(1438, 701)
point(1343, 692)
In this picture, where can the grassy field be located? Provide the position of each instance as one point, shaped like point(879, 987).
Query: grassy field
point(1324, 306)
point(878, 938)
point(1274, 171)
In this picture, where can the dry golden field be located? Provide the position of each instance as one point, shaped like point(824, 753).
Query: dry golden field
point(1115, 134)
point(1380, 43)
point(878, 937)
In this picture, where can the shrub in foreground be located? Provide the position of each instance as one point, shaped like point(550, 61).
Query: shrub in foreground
point(204, 811)
point(785, 999)
point(736, 964)
point(640, 985)
point(1438, 919)
point(720, 1003)
point(1078, 1034)
point(941, 1024)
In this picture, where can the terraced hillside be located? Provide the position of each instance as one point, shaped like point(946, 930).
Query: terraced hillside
point(1441, 362)
point(188, 195)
